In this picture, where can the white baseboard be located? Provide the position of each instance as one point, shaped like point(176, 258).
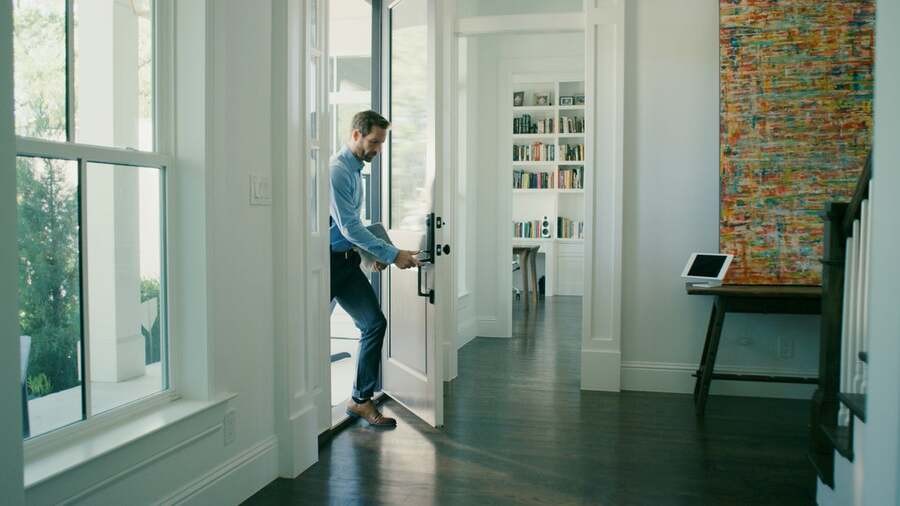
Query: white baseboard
point(674, 377)
point(489, 327)
point(235, 480)
point(466, 331)
point(450, 361)
point(600, 370)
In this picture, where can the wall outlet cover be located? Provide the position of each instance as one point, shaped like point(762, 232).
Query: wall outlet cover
point(260, 190)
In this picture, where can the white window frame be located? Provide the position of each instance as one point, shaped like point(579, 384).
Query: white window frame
point(160, 158)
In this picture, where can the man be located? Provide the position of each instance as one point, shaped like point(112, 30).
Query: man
point(349, 286)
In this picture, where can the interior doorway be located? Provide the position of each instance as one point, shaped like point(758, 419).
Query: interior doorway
point(350, 90)
point(521, 181)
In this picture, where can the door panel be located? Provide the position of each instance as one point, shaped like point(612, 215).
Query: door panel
point(411, 372)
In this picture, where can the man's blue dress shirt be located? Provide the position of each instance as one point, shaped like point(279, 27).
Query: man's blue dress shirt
point(347, 229)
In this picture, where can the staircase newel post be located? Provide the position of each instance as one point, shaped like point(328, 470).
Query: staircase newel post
point(825, 404)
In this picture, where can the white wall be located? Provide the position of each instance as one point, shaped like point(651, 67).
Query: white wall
point(10, 381)
point(486, 55)
point(671, 209)
point(189, 460)
point(882, 473)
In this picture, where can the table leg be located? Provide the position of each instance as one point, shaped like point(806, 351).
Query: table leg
point(709, 329)
point(523, 266)
point(710, 362)
point(532, 256)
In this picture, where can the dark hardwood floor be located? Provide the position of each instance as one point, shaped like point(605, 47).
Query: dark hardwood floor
point(520, 431)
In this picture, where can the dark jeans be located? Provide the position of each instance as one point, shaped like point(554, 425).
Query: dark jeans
point(352, 290)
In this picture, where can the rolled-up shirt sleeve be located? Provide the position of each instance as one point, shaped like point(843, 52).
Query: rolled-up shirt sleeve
point(345, 214)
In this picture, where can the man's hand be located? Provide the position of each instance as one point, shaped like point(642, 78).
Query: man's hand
point(406, 259)
point(380, 266)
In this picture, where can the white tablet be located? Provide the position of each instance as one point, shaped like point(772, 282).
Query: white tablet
point(709, 268)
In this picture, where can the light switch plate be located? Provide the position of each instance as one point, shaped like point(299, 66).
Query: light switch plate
point(260, 190)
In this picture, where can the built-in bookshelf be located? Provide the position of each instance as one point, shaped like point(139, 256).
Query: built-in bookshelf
point(547, 137)
point(546, 132)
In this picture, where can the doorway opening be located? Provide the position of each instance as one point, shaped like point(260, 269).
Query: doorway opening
point(520, 183)
point(350, 90)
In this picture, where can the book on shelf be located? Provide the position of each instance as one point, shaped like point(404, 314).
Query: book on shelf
point(536, 152)
point(523, 180)
point(571, 125)
point(527, 229)
point(572, 152)
point(570, 179)
point(569, 229)
point(526, 124)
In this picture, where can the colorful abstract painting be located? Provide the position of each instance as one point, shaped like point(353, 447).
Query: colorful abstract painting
point(795, 128)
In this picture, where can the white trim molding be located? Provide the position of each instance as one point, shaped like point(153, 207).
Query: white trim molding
point(490, 326)
point(604, 105)
point(600, 370)
point(233, 481)
point(520, 23)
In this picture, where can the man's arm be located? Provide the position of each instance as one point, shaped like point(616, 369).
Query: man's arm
point(346, 217)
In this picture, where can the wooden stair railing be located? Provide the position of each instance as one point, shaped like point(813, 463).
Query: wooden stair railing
point(827, 435)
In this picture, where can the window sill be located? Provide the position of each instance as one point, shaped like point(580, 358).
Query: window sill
point(46, 463)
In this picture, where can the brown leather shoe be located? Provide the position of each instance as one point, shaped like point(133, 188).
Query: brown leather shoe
point(369, 413)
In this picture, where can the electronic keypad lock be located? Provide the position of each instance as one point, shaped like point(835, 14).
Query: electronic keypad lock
point(427, 256)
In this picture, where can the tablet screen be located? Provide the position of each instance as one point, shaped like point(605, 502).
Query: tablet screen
point(707, 266)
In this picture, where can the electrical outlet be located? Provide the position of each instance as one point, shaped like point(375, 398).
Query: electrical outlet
point(745, 341)
point(229, 426)
point(785, 347)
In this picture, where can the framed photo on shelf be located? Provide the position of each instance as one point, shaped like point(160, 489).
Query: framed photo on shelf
point(579, 99)
point(542, 98)
point(566, 100)
point(518, 98)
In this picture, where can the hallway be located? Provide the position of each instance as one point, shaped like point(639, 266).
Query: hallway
point(519, 431)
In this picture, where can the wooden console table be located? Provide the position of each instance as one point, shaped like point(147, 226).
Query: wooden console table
point(747, 299)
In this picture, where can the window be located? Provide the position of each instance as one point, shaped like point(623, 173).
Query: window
point(350, 75)
point(91, 215)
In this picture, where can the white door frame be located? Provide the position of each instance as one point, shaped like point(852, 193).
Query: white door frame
point(603, 25)
point(302, 384)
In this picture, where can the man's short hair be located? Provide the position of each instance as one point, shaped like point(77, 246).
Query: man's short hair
point(365, 121)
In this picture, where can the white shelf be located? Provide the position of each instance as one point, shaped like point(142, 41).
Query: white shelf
point(541, 191)
point(534, 164)
point(570, 162)
point(534, 191)
point(520, 241)
point(558, 239)
point(571, 108)
point(534, 136)
point(572, 136)
point(535, 108)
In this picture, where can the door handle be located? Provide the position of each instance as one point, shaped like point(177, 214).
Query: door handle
point(430, 293)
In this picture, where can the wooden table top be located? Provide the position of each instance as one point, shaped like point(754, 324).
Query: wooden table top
point(760, 291)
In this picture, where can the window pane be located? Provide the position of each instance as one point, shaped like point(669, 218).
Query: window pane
point(313, 99)
point(114, 73)
point(40, 68)
point(125, 284)
point(314, 190)
point(49, 292)
point(313, 23)
point(410, 187)
point(350, 62)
